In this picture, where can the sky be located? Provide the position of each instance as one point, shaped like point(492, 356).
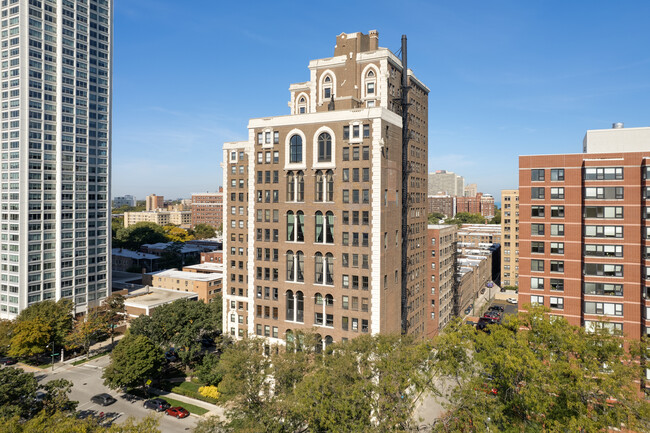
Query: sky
point(507, 78)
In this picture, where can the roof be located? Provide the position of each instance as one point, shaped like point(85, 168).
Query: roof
point(133, 254)
point(186, 248)
point(212, 267)
point(155, 296)
point(182, 275)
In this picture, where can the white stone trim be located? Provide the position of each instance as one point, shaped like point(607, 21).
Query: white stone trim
point(325, 73)
point(327, 116)
point(376, 229)
point(383, 83)
point(296, 105)
point(226, 295)
point(378, 76)
point(250, 150)
point(323, 165)
point(293, 165)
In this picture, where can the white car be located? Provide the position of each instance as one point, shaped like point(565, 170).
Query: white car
point(512, 300)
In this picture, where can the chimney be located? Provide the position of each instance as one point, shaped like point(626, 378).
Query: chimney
point(374, 40)
point(617, 125)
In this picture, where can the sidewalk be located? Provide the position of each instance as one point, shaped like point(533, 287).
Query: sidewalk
point(213, 409)
point(95, 349)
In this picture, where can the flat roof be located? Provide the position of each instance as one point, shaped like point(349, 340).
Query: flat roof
point(215, 267)
point(183, 275)
point(133, 254)
point(155, 296)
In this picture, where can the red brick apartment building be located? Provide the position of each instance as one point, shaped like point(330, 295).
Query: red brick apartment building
point(317, 217)
point(585, 231)
point(207, 208)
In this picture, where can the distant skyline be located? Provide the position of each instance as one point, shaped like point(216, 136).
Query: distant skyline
point(507, 78)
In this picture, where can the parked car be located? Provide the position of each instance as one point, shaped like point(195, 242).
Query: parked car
point(512, 300)
point(103, 399)
point(178, 412)
point(496, 308)
point(158, 404)
point(8, 361)
point(468, 309)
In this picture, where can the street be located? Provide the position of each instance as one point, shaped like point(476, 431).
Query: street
point(88, 382)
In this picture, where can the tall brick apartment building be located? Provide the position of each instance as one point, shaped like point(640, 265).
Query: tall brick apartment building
point(314, 200)
point(584, 231)
point(207, 208)
point(442, 256)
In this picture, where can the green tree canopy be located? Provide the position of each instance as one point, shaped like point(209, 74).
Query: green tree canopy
point(177, 234)
point(56, 315)
point(6, 333)
point(30, 338)
point(497, 216)
point(436, 217)
point(134, 360)
point(86, 330)
point(204, 231)
point(467, 218)
point(538, 374)
point(61, 422)
point(180, 324)
point(134, 236)
point(17, 393)
point(113, 311)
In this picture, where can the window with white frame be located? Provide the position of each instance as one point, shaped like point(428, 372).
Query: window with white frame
point(556, 302)
point(536, 300)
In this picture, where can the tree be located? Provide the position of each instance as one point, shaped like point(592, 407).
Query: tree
point(177, 234)
point(113, 312)
point(368, 384)
point(17, 393)
point(6, 332)
point(180, 324)
point(497, 216)
point(172, 257)
point(56, 397)
point(134, 236)
point(86, 330)
point(538, 373)
point(56, 315)
point(435, 217)
point(30, 338)
point(61, 422)
point(204, 231)
point(134, 360)
point(467, 218)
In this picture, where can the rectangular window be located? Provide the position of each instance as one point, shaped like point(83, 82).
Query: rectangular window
point(537, 211)
point(557, 266)
point(604, 289)
point(557, 303)
point(604, 231)
point(537, 247)
point(557, 247)
point(537, 300)
point(557, 174)
point(537, 193)
point(557, 211)
point(557, 193)
point(603, 212)
point(537, 229)
point(537, 265)
point(557, 229)
point(603, 250)
point(604, 308)
point(603, 173)
point(603, 193)
point(366, 131)
point(602, 269)
point(346, 132)
point(537, 283)
point(557, 284)
point(537, 175)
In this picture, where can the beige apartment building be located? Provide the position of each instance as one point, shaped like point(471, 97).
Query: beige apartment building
point(315, 203)
point(442, 257)
point(178, 218)
point(205, 285)
point(153, 202)
point(510, 237)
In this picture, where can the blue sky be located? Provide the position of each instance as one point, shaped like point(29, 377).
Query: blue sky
point(507, 78)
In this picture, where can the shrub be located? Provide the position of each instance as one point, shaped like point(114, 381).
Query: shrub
point(209, 391)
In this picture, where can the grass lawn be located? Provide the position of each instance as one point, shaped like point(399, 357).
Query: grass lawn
point(81, 361)
point(191, 389)
point(190, 407)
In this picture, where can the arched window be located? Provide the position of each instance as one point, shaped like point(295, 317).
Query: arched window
point(328, 340)
point(291, 186)
point(302, 105)
point(291, 268)
point(329, 227)
point(329, 179)
point(319, 227)
point(318, 268)
point(300, 307)
point(295, 266)
point(327, 87)
point(324, 147)
point(370, 83)
point(291, 226)
point(300, 186)
point(329, 300)
point(300, 226)
point(291, 301)
point(296, 226)
point(318, 299)
point(320, 194)
point(318, 343)
point(295, 148)
point(289, 338)
point(324, 226)
point(329, 269)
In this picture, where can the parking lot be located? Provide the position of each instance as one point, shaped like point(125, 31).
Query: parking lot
point(507, 307)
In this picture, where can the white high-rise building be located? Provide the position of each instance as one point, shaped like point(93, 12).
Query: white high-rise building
point(56, 149)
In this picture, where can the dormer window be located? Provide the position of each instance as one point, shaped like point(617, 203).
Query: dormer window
point(370, 83)
point(302, 105)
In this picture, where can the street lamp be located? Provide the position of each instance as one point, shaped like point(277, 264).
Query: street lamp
point(52, 356)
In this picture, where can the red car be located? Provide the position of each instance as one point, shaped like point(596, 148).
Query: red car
point(177, 411)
